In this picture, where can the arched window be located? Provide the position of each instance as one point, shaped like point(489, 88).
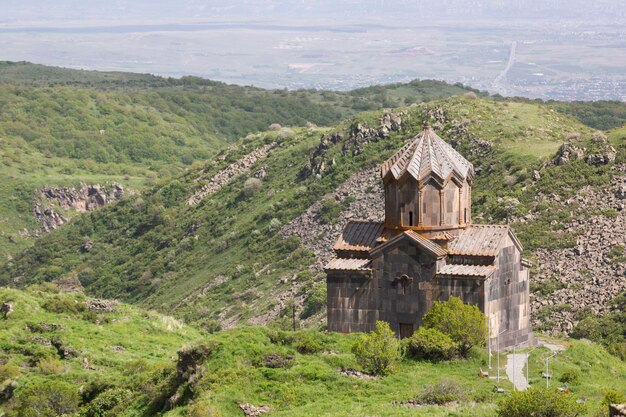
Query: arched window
point(410, 218)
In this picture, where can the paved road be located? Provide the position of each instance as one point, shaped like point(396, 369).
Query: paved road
point(499, 84)
point(515, 370)
point(515, 366)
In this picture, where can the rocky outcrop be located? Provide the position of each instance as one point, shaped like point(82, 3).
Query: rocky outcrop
point(585, 277)
point(81, 199)
point(224, 176)
point(569, 152)
point(367, 201)
point(359, 136)
point(253, 411)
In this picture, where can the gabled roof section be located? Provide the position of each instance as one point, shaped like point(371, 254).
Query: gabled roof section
point(340, 264)
point(432, 248)
point(425, 156)
point(481, 240)
point(466, 271)
point(359, 236)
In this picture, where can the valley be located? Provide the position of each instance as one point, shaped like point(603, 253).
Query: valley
point(194, 219)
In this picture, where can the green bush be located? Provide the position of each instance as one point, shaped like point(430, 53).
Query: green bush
point(110, 403)
point(612, 396)
point(330, 211)
point(315, 300)
point(60, 304)
point(430, 344)
point(443, 392)
point(378, 352)
point(539, 402)
point(50, 366)
point(46, 399)
point(309, 342)
point(203, 408)
point(617, 349)
point(8, 372)
point(571, 377)
point(464, 324)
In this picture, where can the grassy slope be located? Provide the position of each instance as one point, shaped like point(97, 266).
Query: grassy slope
point(155, 250)
point(51, 118)
point(236, 371)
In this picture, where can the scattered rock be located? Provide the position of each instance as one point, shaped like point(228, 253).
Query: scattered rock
point(44, 327)
point(224, 176)
point(536, 176)
point(6, 309)
point(568, 152)
point(274, 360)
point(99, 305)
point(357, 374)
point(69, 284)
point(116, 348)
point(254, 411)
point(64, 352)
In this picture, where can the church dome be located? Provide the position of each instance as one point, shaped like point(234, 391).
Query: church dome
point(428, 156)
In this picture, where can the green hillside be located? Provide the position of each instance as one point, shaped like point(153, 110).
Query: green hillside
point(59, 355)
point(223, 260)
point(61, 126)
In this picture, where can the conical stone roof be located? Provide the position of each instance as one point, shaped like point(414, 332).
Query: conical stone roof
point(428, 156)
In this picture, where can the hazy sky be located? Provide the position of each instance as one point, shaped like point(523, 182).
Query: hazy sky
point(16, 11)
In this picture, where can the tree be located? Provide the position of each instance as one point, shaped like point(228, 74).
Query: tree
point(378, 352)
point(251, 186)
point(465, 324)
point(46, 399)
point(539, 402)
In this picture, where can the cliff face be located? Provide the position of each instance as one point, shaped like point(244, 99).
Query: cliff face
point(81, 199)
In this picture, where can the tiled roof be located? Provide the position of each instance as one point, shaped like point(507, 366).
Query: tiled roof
point(423, 242)
point(442, 236)
point(480, 240)
point(425, 155)
point(359, 236)
point(466, 271)
point(340, 264)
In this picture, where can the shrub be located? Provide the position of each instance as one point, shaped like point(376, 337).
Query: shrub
point(378, 352)
point(570, 377)
point(463, 323)
point(63, 305)
point(203, 408)
point(329, 211)
point(46, 399)
point(617, 349)
point(309, 342)
point(8, 371)
point(275, 225)
point(109, 403)
point(315, 300)
point(539, 402)
point(251, 186)
point(431, 344)
point(445, 391)
point(612, 396)
point(50, 366)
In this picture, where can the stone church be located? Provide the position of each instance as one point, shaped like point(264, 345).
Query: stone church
point(427, 250)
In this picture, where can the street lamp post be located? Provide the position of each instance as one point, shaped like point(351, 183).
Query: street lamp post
point(489, 340)
point(547, 369)
point(498, 351)
point(527, 356)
